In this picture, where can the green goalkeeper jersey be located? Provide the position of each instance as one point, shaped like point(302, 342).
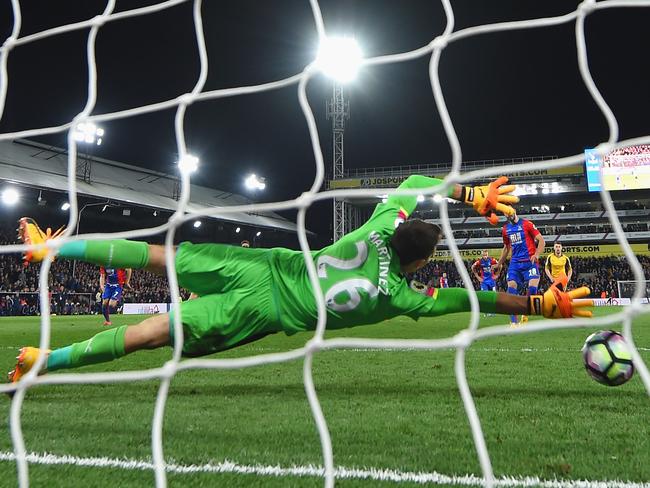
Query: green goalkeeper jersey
point(359, 275)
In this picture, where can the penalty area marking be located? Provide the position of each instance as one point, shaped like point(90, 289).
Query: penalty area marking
point(371, 474)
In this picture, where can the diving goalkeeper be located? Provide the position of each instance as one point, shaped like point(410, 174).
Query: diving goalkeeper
point(244, 294)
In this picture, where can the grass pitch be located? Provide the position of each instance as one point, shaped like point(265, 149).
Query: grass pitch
point(399, 410)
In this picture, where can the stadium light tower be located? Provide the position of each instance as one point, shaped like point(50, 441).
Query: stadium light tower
point(339, 111)
point(89, 134)
point(188, 164)
point(340, 59)
point(254, 182)
point(10, 196)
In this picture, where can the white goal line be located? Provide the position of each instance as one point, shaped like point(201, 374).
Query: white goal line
point(461, 341)
point(312, 471)
point(403, 349)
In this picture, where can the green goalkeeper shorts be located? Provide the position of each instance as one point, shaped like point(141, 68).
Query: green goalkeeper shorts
point(236, 303)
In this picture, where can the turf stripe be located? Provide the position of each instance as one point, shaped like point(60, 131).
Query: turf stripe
point(472, 349)
point(401, 349)
point(371, 474)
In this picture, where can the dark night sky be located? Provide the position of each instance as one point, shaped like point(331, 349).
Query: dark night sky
point(509, 94)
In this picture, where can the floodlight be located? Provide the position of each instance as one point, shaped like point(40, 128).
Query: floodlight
point(339, 58)
point(65, 206)
point(10, 196)
point(88, 132)
point(188, 164)
point(259, 233)
point(437, 198)
point(420, 198)
point(197, 224)
point(254, 182)
point(384, 199)
point(237, 230)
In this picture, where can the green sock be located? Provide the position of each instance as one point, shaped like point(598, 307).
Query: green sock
point(103, 347)
point(117, 253)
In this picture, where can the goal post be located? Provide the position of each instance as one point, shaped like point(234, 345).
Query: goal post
point(626, 289)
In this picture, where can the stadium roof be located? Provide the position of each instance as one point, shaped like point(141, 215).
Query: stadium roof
point(39, 165)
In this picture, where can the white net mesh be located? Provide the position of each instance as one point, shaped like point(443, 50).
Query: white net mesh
point(460, 342)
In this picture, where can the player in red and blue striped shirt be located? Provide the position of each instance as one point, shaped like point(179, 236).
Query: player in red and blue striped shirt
point(487, 274)
point(444, 282)
point(111, 282)
point(526, 243)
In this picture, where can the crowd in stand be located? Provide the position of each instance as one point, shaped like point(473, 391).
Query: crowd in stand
point(570, 207)
point(553, 230)
point(74, 286)
point(462, 211)
point(601, 274)
point(612, 160)
point(635, 227)
point(590, 228)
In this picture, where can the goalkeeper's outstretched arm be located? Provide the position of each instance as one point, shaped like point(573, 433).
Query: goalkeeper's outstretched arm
point(555, 303)
point(486, 199)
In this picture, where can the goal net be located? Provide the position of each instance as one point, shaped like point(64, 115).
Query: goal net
point(433, 50)
point(628, 288)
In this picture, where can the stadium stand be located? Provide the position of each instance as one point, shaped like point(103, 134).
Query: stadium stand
point(72, 293)
point(77, 293)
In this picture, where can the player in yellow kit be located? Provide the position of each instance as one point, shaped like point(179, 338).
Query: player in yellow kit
point(558, 264)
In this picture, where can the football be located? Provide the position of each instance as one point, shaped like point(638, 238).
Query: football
point(607, 358)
